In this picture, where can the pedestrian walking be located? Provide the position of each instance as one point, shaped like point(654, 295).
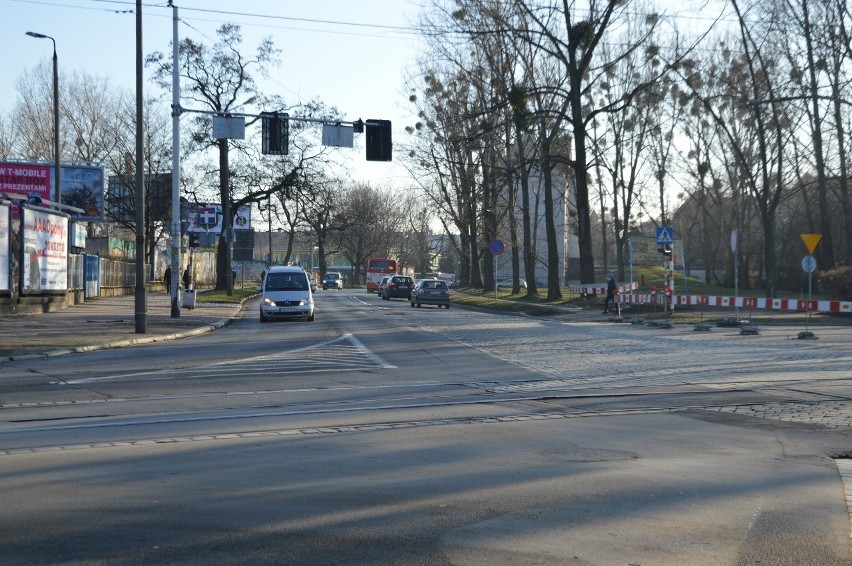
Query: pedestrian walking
point(187, 279)
point(611, 292)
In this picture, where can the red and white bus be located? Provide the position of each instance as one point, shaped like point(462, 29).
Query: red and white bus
point(378, 267)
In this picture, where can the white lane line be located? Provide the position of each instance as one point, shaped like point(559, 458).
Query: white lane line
point(340, 356)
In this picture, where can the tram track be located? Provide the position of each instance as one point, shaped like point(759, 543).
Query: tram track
point(502, 402)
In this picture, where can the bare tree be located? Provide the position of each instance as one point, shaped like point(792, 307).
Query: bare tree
point(7, 137)
point(572, 35)
point(364, 215)
point(219, 79)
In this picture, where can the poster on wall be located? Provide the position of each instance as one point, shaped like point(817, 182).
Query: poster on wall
point(44, 251)
point(5, 242)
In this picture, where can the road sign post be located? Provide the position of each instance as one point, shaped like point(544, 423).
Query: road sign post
point(496, 247)
point(665, 238)
point(809, 265)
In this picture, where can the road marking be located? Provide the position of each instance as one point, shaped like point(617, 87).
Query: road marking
point(340, 354)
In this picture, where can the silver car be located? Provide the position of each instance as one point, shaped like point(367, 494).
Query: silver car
point(286, 293)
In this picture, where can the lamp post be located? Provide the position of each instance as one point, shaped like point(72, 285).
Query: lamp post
point(57, 195)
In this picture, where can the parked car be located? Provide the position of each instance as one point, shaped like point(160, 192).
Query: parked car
point(286, 293)
point(332, 280)
point(398, 286)
point(382, 284)
point(431, 292)
point(508, 283)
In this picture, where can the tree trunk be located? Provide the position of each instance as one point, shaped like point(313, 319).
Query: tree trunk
point(224, 271)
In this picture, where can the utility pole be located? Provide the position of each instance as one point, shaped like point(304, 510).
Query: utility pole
point(176, 110)
point(140, 299)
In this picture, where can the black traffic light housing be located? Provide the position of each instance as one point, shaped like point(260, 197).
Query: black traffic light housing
point(378, 142)
point(665, 249)
point(275, 130)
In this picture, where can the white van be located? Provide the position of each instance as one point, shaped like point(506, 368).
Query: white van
point(286, 293)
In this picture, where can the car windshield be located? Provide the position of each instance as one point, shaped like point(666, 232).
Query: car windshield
point(402, 280)
point(332, 276)
point(286, 282)
point(434, 285)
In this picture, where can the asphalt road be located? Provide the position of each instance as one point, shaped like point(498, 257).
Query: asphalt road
point(383, 434)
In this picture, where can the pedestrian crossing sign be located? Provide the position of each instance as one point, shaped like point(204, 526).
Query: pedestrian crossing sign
point(665, 235)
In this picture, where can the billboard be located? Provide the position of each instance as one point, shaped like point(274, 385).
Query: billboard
point(199, 213)
point(82, 186)
point(5, 243)
point(44, 251)
point(121, 195)
point(28, 179)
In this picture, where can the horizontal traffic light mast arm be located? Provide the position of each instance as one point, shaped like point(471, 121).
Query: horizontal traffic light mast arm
point(181, 110)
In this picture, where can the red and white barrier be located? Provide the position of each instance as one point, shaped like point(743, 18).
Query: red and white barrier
point(625, 296)
point(741, 302)
point(601, 289)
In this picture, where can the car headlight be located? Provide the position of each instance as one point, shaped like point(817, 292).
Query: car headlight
point(268, 302)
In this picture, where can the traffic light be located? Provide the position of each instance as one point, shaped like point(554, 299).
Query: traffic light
point(194, 240)
point(379, 143)
point(665, 249)
point(275, 132)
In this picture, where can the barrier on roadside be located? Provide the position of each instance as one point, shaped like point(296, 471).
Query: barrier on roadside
point(757, 303)
point(601, 289)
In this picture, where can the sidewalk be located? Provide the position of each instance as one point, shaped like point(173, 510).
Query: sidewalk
point(108, 322)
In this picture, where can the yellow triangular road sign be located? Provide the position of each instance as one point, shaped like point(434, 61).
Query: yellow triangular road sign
point(811, 241)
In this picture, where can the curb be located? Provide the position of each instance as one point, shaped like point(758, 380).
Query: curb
point(129, 342)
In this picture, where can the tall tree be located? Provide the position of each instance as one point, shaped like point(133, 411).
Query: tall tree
point(572, 35)
point(218, 79)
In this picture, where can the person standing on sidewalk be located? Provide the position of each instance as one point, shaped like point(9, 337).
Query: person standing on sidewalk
point(167, 278)
point(611, 292)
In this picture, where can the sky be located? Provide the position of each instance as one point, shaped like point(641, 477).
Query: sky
point(351, 54)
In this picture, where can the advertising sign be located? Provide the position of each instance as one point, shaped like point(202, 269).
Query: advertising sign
point(26, 179)
point(5, 242)
point(201, 214)
point(83, 187)
point(44, 251)
point(78, 234)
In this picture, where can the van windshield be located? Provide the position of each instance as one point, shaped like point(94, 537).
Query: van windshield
point(286, 282)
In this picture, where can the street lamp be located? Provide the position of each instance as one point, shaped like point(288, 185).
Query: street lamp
point(57, 195)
